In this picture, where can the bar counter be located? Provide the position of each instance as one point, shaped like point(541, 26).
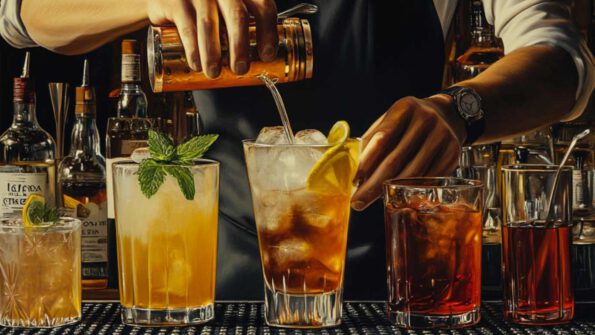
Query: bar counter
point(358, 318)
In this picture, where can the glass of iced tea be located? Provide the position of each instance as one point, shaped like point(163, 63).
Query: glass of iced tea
point(167, 247)
point(433, 245)
point(40, 273)
point(301, 195)
point(536, 250)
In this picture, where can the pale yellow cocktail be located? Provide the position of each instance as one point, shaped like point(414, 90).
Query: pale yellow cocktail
point(167, 247)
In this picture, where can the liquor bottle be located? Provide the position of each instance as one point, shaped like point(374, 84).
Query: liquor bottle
point(187, 120)
point(484, 49)
point(27, 152)
point(81, 182)
point(127, 131)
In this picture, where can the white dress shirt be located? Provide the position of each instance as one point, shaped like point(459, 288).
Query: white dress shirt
point(519, 23)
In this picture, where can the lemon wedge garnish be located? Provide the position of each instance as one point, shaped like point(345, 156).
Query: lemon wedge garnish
point(70, 202)
point(33, 203)
point(335, 170)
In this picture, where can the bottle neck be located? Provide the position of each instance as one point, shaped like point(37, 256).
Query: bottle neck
point(482, 33)
point(84, 139)
point(132, 101)
point(24, 115)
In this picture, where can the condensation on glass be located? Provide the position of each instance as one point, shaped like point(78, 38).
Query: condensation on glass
point(169, 70)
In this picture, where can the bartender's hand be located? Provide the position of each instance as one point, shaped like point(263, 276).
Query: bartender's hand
point(198, 25)
point(415, 138)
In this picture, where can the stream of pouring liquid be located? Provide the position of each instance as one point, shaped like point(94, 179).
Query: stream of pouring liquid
point(270, 84)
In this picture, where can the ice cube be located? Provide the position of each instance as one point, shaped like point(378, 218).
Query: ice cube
point(140, 154)
point(310, 136)
point(273, 212)
point(292, 250)
point(272, 135)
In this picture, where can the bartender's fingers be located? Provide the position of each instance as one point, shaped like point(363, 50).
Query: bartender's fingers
point(378, 142)
point(446, 161)
point(181, 13)
point(235, 14)
point(267, 38)
point(421, 164)
point(209, 44)
point(392, 163)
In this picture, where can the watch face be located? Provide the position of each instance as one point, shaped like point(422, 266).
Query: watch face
point(469, 105)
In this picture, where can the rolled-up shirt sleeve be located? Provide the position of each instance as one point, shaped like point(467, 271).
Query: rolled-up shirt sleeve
point(522, 23)
point(12, 28)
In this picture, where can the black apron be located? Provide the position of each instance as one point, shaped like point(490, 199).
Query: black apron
point(367, 55)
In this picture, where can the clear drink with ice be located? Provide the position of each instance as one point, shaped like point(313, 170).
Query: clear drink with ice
point(167, 247)
point(40, 274)
point(301, 195)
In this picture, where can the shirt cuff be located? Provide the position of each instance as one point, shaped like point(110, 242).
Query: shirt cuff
point(12, 28)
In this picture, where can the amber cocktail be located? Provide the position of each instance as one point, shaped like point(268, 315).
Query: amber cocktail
point(40, 274)
point(433, 240)
point(302, 226)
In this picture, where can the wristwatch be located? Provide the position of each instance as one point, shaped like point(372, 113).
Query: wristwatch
point(467, 103)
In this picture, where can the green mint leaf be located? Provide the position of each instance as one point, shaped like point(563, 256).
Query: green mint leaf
point(42, 213)
point(195, 148)
point(185, 179)
point(51, 215)
point(150, 177)
point(161, 147)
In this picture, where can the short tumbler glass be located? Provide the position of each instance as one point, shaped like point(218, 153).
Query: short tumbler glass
point(167, 247)
point(40, 274)
point(433, 245)
point(536, 251)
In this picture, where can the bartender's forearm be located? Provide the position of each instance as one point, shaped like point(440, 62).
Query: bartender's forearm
point(78, 26)
point(529, 88)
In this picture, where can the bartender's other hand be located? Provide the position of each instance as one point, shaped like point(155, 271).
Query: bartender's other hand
point(415, 138)
point(198, 25)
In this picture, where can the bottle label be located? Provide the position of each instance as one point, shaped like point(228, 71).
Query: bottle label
point(16, 187)
point(93, 215)
point(130, 68)
point(578, 196)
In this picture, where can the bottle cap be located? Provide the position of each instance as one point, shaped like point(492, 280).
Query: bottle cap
point(24, 87)
point(24, 90)
point(130, 47)
point(85, 94)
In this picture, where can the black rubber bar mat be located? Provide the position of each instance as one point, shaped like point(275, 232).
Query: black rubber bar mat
point(358, 318)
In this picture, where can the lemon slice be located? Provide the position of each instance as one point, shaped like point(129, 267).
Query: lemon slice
point(339, 133)
point(335, 170)
point(70, 202)
point(34, 203)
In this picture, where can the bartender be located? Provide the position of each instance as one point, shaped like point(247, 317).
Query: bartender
point(378, 65)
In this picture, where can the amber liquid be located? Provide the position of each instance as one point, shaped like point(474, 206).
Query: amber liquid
point(303, 250)
point(434, 259)
point(537, 273)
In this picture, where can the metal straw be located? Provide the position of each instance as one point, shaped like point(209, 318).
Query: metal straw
point(550, 210)
point(60, 104)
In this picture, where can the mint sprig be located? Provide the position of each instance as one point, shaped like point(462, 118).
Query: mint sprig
point(175, 161)
point(42, 213)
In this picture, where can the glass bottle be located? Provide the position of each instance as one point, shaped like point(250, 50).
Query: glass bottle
point(484, 49)
point(127, 131)
point(27, 152)
point(82, 183)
